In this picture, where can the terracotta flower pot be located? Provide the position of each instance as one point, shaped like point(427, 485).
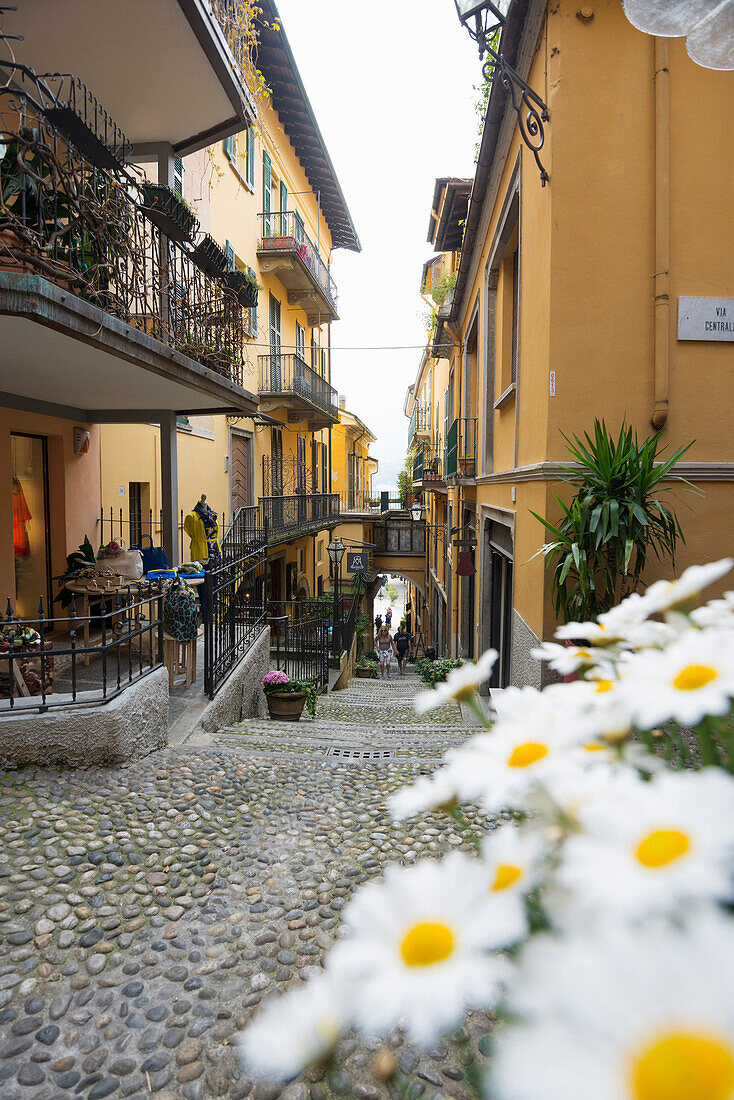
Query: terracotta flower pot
point(286, 706)
point(364, 673)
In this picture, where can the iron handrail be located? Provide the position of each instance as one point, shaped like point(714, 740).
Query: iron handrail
point(299, 512)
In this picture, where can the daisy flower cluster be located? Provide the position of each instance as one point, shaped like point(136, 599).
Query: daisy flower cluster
point(595, 918)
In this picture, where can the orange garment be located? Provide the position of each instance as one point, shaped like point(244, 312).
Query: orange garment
point(21, 515)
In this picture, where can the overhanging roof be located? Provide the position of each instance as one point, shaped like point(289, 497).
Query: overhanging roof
point(448, 209)
point(276, 62)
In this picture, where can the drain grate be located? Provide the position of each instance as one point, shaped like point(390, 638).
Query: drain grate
point(361, 754)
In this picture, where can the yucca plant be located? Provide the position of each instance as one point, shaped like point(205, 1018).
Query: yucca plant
point(602, 542)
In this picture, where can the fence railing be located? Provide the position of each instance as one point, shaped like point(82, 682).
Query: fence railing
point(235, 611)
point(299, 641)
point(81, 659)
point(299, 512)
point(461, 447)
point(420, 421)
point(358, 500)
point(344, 624)
point(245, 534)
point(285, 232)
point(288, 373)
point(428, 462)
point(88, 229)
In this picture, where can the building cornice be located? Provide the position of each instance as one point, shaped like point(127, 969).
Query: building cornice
point(553, 471)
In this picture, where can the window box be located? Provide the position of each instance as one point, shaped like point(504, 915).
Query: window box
point(278, 243)
point(246, 289)
point(169, 212)
point(209, 257)
point(467, 466)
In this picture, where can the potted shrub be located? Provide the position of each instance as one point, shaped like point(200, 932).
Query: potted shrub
point(245, 286)
point(467, 466)
point(209, 257)
point(286, 698)
point(366, 668)
point(169, 212)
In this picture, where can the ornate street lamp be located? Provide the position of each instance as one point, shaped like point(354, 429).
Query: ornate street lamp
point(416, 510)
point(482, 18)
point(335, 550)
point(708, 26)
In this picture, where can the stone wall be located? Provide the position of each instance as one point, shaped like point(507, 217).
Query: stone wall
point(127, 728)
point(524, 669)
point(241, 696)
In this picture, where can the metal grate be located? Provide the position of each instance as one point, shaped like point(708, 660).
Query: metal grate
point(361, 754)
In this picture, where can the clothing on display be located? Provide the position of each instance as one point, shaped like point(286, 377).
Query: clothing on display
point(21, 516)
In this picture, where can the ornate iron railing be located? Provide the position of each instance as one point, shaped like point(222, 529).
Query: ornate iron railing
point(290, 374)
point(286, 476)
point(428, 462)
point(235, 610)
point(81, 659)
point(420, 421)
point(81, 226)
point(285, 232)
point(245, 534)
point(358, 500)
point(300, 642)
point(289, 515)
point(461, 447)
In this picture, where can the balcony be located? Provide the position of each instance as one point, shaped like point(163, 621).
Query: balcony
point(289, 517)
point(287, 382)
point(164, 69)
point(285, 250)
point(101, 309)
point(428, 467)
point(461, 449)
point(420, 423)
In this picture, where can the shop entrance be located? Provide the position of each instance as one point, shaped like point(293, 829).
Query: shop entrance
point(31, 542)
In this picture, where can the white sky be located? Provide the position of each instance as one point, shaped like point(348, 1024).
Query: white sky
point(391, 85)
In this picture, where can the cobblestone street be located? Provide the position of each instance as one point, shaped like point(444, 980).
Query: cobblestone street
point(145, 912)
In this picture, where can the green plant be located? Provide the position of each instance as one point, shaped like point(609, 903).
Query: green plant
point(601, 544)
point(278, 686)
point(444, 287)
point(392, 591)
point(368, 663)
point(405, 477)
point(435, 672)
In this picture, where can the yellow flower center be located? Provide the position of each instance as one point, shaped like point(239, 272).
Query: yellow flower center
point(507, 874)
point(528, 753)
point(427, 943)
point(583, 653)
point(594, 747)
point(661, 847)
point(603, 685)
point(683, 1066)
point(693, 677)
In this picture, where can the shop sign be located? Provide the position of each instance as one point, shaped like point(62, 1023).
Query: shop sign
point(356, 563)
point(705, 318)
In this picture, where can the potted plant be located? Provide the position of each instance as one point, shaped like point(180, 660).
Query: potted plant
point(467, 466)
point(286, 698)
point(169, 212)
point(366, 668)
point(209, 257)
point(245, 285)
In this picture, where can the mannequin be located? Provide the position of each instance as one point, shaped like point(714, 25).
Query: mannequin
point(202, 527)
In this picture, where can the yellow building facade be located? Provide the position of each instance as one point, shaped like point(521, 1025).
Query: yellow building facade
point(564, 311)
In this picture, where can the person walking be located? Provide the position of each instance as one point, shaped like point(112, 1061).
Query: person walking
point(385, 648)
point(378, 623)
point(402, 648)
point(388, 617)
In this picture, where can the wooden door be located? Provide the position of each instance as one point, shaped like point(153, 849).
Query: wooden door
point(241, 468)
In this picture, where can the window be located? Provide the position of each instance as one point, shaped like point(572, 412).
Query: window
point(253, 311)
point(284, 228)
point(230, 148)
point(250, 156)
point(301, 560)
point(300, 341)
point(515, 312)
point(325, 488)
point(178, 174)
point(230, 254)
point(320, 551)
point(314, 352)
point(268, 227)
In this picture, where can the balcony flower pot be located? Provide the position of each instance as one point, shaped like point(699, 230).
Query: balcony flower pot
point(169, 212)
point(286, 698)
point(209, 257)
point(244, 286)
point(277, 243)
point(467, 466)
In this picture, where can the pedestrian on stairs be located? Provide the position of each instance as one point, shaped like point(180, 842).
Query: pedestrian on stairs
point(385, 648)
point(402, 647)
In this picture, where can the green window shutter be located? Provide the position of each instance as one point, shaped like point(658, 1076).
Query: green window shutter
point(253, 310)
point(229, 253)
point(178, 171)
point(250, 170)
point(283, 209)
point(298, 230)
point(267, 176)
point(229, 146)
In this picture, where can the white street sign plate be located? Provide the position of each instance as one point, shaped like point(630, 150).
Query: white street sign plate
point(705, 318)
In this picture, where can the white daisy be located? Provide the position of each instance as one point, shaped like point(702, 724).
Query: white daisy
point(692, 678)
point(565, 660)
point(291, 1032)
point(460, 684)
point(648, 846)
point(512, 860)
point(417, 947)
point(669, 595)
point(596, 634)
point(645, 1015)
point(429, 792)
point(501, 768)
point(716, 613)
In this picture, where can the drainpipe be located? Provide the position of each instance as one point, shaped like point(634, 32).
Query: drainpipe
point(662, 235)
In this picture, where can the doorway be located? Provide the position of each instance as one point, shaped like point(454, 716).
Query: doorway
point(31, 536)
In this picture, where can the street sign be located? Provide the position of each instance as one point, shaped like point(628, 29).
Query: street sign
point(705, 318)
point(356, 563)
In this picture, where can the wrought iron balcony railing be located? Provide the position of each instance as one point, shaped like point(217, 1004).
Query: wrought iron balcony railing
point(428, 462)
point(461, 448)
point(290, 374)
point(420, 421)
point(82, 227)
point(287, 475)
point(285, 232)
point(288, 516)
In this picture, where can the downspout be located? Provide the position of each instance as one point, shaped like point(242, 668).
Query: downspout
point(662, 235)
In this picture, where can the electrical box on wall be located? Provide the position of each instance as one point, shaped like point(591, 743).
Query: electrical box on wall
point(82, 439)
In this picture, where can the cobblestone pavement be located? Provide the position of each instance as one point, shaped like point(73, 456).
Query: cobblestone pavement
point(146, 911)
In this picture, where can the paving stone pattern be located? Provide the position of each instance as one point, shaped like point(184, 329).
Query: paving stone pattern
point(146, 911)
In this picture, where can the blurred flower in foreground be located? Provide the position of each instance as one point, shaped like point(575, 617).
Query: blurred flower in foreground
point(417, 949)
point(645, 1015)
point(648, 846)
point(461, 683)
point(291, 1032)
point(429, 792)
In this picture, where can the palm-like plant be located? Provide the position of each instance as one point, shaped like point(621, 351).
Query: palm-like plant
point(601, 544)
